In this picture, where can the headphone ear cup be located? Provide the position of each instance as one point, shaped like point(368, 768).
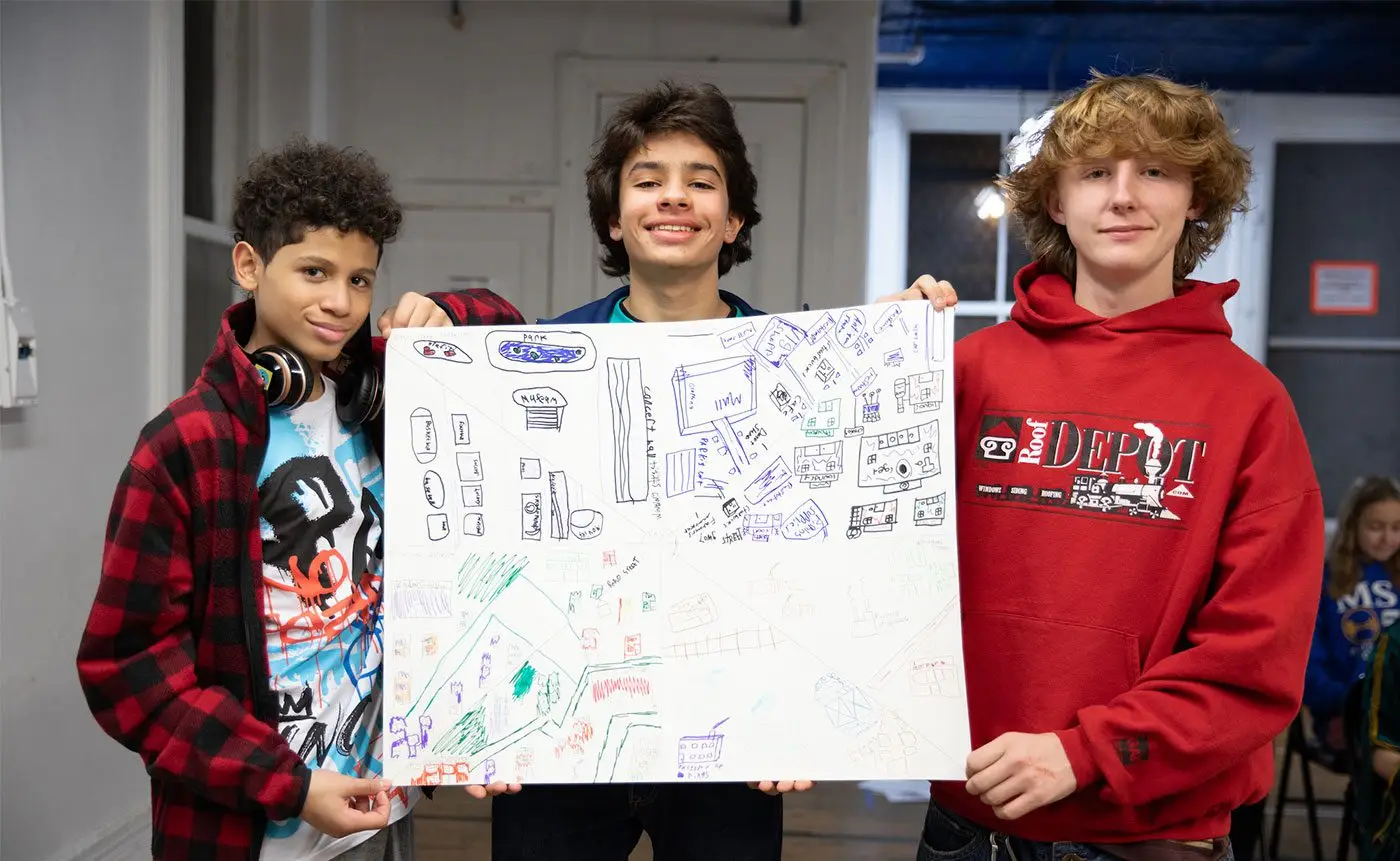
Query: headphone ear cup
point(359, 397)
point(286, 377)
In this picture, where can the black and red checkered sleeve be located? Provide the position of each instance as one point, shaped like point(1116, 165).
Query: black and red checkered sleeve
point(477, 306)
point(136, 663)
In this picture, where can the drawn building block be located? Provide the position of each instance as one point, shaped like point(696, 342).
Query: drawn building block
point(848, 709)
point(920, 393)
point(819, 464)
point(899, 460)
point(544, 407)
point(935, 677)
point(558, 506)
point(423, 434)
point(893, 315)
point(763, 526)
point(585, 523)
point(775, 477)
point(737, 335)
point(870, 406)
point(715, 395)
point(474, 524)
point(461, 429)
point(542, 352)
point(695, 752)
point(471, 496)
point(778, 339)
point(929, 510)
point(469, 466)
point(805, 523)
point(692, 612)
point(875, 517)
point(441, 350)
point(438, 528)
point(826, 421)
point(680, 472)
point(433, 489)
point(531, 516)
point(628, 406)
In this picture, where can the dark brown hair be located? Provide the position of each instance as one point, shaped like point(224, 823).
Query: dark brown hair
point(1344, 569)
point(306, 186)
point(1133, 115)
point(702, 111)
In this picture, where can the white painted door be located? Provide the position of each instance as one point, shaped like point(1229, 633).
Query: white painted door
point(451, 249)
point(774, 133)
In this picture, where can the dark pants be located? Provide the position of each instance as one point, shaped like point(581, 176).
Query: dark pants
point(603, 822)
point(949, 837)
point(1247, 830)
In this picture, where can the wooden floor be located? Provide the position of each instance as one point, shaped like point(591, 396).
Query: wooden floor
point(832, 822)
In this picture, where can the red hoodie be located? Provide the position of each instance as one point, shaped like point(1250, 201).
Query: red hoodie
point(1141, 539)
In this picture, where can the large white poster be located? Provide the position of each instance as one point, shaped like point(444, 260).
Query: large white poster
point(713, 551)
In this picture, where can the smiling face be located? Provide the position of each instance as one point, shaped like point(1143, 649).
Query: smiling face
point(1378, 530)
point(312, 295)
point(673, 206)
point(1124, 216)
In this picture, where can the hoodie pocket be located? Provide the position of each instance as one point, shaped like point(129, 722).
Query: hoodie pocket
point(1027, 674)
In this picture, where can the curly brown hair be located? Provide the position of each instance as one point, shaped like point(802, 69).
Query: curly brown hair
point(308, 185)
point(702, 111)
point(1134, 115)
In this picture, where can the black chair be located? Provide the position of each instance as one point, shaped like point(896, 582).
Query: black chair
point(1299, 746)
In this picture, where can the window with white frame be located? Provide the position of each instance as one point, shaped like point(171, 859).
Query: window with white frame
point(935, 207)
point(212, 144)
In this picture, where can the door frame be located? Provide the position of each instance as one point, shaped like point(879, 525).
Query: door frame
point(834, 165)
point(1266, 121)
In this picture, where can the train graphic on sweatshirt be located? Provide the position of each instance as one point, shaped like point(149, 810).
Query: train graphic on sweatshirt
point(1096, 464)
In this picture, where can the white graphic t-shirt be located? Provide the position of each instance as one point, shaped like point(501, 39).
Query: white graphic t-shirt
point(321, 501)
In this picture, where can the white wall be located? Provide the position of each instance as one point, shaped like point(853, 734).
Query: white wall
point(470, 119)
point(75, 137)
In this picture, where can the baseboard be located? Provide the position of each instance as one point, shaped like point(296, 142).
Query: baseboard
point(127, 840)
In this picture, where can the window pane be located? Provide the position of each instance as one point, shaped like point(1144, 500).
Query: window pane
point(1350, 415)
point(1017, 257)
point(966, 325)
point(1327, 198)
point(208, 289)
point(947, 239)
point(199, 110)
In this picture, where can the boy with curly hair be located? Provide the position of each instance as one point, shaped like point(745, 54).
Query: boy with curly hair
point(1139, 520)
point(235, 641)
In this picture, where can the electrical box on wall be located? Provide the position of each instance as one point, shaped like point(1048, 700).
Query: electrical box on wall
point(19, 367)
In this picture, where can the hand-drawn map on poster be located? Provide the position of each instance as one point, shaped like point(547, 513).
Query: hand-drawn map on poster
point(713, 551)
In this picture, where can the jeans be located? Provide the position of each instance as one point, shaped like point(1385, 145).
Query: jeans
point(949, 837)
point(603, 822)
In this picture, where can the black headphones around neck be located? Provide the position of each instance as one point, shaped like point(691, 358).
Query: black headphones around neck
point(288, 381)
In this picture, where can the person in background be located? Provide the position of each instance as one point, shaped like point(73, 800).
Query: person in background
point(1359, 600)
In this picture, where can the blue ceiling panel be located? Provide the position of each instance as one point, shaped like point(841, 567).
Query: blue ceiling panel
point(1336, 46)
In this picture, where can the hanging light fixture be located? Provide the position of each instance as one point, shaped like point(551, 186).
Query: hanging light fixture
point(990, 204)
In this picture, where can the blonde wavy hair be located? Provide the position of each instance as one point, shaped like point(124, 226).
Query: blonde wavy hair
point(1134, 115)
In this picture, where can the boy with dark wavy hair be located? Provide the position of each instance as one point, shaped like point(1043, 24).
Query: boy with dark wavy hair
point(1139, 520)
point(671, 195)
point(235, 641)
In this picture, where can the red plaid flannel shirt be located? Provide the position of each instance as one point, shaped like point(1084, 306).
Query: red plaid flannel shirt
point(173, 660)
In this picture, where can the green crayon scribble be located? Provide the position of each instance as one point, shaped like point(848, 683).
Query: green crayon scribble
point(467, 736)
point(523, 680)
point(485, 577)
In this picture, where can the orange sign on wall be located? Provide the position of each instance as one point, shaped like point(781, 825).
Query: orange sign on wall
point(1345, 287)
